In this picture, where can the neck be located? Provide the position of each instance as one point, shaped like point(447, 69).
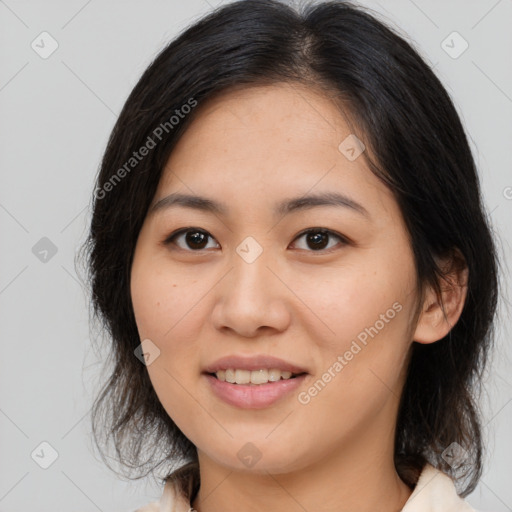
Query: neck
point(357, 476)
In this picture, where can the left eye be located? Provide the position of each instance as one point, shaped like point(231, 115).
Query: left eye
point(196, 239)
point(317, 238)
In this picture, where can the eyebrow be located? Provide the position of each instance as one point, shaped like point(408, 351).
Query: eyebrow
point(283, 208)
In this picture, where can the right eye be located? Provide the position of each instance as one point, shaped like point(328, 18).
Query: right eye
point(193, 239)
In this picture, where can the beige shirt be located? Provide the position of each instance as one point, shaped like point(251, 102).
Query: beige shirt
point(434, 492)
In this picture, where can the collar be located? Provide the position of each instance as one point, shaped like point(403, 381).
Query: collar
point(435, 492)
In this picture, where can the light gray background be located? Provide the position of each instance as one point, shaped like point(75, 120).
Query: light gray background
point(56, 115)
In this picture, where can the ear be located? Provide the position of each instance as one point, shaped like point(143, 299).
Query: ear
point(440, 313)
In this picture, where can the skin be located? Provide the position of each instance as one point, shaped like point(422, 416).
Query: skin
point(250, 149)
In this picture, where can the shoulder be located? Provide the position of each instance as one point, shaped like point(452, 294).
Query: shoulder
point(435, 492)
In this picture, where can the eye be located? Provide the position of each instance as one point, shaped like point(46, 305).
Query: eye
point(194, 239)
point(318, 239)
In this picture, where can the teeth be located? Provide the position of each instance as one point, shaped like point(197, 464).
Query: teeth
point(252, 377)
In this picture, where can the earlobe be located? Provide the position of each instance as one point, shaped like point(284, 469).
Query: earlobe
point(440, 313)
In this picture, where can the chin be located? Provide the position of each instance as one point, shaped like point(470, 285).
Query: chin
point(256, 459)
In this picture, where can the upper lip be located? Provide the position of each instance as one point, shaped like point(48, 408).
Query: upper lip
point(251, 363)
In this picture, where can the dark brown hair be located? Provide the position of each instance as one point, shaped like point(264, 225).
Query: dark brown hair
point(420, 151)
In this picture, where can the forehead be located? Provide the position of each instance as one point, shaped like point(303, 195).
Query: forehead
point(263, 142)
point(263, 126)
point(281, 102)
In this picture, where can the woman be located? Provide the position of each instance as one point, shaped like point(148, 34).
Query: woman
point(291, 256)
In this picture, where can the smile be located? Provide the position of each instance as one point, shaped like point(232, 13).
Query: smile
point(256, 377)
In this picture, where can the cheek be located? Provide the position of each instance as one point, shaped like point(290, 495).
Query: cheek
point(160, 307)
point(342, 302)
point(162, 300)
point(165, 305)
point(166, 315)
point(362, 316)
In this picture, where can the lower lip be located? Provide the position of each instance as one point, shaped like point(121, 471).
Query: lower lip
point(256, 396)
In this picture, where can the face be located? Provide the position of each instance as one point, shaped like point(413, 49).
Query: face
point(247, 280)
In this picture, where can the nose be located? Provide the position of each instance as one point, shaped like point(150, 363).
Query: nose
point(251, 299)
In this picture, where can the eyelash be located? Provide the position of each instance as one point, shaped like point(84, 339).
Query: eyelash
point(344, 240)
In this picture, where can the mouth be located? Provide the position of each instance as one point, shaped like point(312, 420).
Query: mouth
point(253, 381)
point(250, 395)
